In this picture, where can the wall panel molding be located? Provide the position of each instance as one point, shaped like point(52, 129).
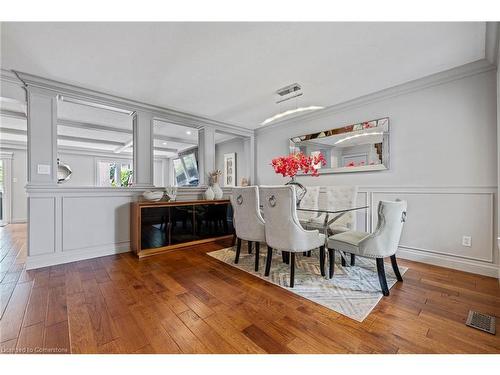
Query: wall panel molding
point(483, 260)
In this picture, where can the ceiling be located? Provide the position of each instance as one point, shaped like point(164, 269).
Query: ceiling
point(230, 71)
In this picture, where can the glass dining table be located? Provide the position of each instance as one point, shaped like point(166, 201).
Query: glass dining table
point(330, 217)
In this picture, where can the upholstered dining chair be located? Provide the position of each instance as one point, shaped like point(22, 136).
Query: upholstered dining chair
point(247, 220)
point(310, 200)
point(338, 197)
point(283, 229)
point(379, 244)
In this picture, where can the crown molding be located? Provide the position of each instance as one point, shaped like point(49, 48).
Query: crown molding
point(467, 70)
point(10, 76)
point(161, 113)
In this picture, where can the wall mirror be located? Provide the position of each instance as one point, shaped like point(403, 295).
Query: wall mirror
point(352, 148)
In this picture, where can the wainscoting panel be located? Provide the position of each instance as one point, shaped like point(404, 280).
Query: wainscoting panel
point(42, 232)
point(94, 221)
point(437, 221)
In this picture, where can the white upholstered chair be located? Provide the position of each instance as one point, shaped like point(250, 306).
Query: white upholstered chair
point(310, 200)
point(379, 244)
point(338, 197)
point(283, 229)
point(247, 220)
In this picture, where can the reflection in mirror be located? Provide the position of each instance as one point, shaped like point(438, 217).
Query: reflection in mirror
point(175, 155)
point(63, 172)
point(231, 159)
point(97, 142)
point(352, 148)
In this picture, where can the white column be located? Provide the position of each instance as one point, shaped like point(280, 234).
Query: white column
point(42, 137)
point(206, 153)
point(143, 149)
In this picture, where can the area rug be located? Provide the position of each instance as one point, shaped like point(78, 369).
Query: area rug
point(353, 291)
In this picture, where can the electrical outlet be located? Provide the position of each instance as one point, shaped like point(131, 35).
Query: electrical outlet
point(467, 241)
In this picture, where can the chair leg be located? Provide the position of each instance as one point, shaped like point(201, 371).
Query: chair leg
point(396, 268)
point(257, 250)
point(322, 260)
point(342, 260)
point(331, 259)
point(233, 242)
point(304, 253)
point(249, 247)
point(238, 249)
point(292, 269)
point(353, 259)
point(287, 257)
point(381, 276)
point(268, 260)
point(309, 253)
point(283, 256)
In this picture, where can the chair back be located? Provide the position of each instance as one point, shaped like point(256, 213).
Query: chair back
point(384, 241)
point(343, 197)
point(283, 230)
point(310, 200)
point(247, 219)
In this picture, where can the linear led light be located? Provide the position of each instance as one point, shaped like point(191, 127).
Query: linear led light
point(290, 112)
point(356, 136)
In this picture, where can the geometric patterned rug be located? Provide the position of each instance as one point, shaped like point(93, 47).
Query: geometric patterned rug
point(353, 291)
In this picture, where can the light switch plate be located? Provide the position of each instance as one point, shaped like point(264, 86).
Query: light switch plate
point(43, 169)
point(14, 179)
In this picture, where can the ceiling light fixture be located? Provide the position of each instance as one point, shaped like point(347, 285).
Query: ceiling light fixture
point(188, 132)
point(291, 112)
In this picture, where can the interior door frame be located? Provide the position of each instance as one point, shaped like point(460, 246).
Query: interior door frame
point(6, 158)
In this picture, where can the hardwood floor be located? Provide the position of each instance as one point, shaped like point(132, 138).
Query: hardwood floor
point(188, 302)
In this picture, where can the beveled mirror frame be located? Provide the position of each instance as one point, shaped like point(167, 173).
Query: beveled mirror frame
point(366, 127)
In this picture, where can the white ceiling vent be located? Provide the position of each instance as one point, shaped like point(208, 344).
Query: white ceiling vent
point(289, 92)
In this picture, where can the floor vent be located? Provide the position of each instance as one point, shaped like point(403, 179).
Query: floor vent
point(481, 321)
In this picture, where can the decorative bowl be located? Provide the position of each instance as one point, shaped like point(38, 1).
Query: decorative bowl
point(153, 195)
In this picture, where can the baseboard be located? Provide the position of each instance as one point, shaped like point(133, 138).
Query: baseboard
point(53, 259)
point(486, 269)
point(18, 221)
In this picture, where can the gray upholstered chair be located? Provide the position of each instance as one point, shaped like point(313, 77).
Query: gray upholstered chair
point(310, 200)
point(338, 197)
point(247, 220)
point(380, 244)
point(283, 229)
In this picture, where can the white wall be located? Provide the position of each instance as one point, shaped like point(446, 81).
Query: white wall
point(236, 145)
point(443, 160)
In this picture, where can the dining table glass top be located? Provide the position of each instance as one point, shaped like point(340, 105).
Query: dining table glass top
point(331, 210)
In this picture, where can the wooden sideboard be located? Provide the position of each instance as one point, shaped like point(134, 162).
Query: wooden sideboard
point(158, 227)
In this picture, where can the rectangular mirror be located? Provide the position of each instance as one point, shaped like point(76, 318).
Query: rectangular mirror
point(353, 148)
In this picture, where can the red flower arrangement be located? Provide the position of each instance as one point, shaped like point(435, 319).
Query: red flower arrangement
point(290, 165)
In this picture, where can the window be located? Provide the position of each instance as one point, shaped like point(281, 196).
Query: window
point(186, 170)
point(180, 173)
point(115, 174)
point(191, 168)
